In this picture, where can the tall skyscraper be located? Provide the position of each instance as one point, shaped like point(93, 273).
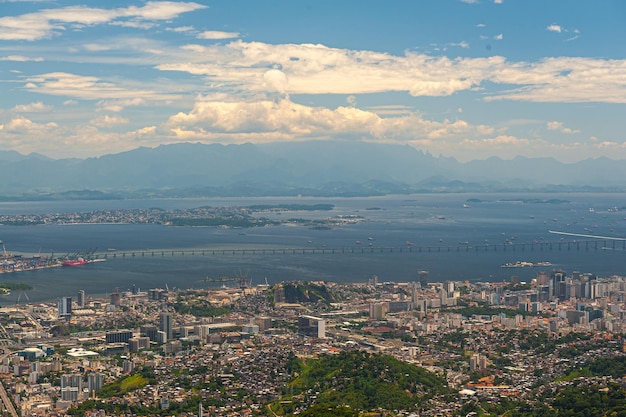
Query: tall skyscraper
point(166, 325)
point(423, 278)
point(558, 280)
point(94, 382)
point(116, 298)
point(65, 307)
point(80, 301)
point(71, 387)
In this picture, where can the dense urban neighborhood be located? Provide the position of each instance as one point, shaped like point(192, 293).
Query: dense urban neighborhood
point(554, 345)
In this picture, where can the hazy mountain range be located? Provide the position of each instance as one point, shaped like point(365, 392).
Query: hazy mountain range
point(317, 168)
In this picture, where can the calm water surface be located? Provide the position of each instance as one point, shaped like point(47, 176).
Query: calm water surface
point(392, 221)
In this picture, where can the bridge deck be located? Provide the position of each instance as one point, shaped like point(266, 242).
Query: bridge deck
point(578, 245)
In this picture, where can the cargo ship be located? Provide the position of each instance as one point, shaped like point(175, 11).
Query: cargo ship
point(74, 262)
point(80, 261)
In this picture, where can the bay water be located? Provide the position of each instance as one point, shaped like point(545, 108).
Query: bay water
point(461, 221)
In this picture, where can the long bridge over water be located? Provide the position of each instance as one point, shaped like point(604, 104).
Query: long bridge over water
point(574, 245)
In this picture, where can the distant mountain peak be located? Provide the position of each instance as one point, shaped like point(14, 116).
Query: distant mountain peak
point(337, 167)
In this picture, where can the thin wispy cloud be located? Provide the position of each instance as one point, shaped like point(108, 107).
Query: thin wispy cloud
point(462, 44)
point(560, 29)
point(212, 34)
point(107, 121)
point(20, 58)
point(48, 23)
point(181, 29)
point(37, 107)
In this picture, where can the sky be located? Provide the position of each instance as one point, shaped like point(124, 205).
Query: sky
point(469, 79)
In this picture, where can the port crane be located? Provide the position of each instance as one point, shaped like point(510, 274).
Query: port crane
point(220, 279)
point(5, 254)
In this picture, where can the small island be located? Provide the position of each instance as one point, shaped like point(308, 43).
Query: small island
point(233, 217)
point(7, 287)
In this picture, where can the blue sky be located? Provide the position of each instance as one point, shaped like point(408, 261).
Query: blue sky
point(466, 79)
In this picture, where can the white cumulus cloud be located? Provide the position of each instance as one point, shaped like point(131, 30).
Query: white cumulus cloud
point(24, 125)
point(558, 126)
point(554, 28)
point(275, 80)
point(212, 118)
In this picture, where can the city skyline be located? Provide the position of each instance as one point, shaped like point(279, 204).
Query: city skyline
point(468, 79)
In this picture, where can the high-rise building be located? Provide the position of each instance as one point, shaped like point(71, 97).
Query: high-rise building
point(80, 301)
point(166, 325)
point(543, 278)
point(202, 331)
point(135, 344)
point(156, 294)
point(378, 310)
point(479, 362)
point(558, 280)
point(264, 322)
point(120, 336)
point(161, 337)
point(65, 307)
point(71, 387)
point(149, 332)
point(94, 382)
point(181, 332)
point(312, 326)
point(423, 278)
point(116, 298)
point(128, 366)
